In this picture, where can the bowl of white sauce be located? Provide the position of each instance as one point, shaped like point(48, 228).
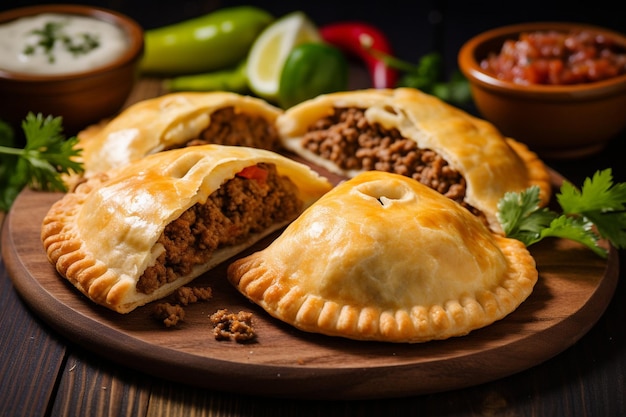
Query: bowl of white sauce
point(74, 61)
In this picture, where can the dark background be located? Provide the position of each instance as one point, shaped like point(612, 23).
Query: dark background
point(413, 27)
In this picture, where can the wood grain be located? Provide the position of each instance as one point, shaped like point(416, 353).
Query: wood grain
point(99, 390)
point(27, 347)
point(574, 288)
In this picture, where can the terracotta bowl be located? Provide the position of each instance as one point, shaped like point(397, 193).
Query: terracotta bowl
point(556, 121)
point(80, 98)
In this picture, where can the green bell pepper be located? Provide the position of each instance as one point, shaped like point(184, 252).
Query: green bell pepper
point(231, 79)
point(215, 41)
point(312, 69)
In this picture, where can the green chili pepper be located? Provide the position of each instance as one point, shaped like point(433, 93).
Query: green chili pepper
point(312, 69)
point(231, 79)
point(215, 41)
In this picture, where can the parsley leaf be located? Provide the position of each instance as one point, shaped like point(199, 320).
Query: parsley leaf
point(427, 75)
point(577, 229)
point(597, 210)
point(40, 164)
point(520, 215)
point(600, 201)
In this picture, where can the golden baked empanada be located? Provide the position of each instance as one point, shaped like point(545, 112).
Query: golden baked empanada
point(175, 120)
point(411, 133)
point(383, 257)
point(131, 236)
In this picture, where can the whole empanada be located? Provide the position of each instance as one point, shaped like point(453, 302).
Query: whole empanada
point(411, 133)
point(382, 257)
point(134, 235)
point(175, 120)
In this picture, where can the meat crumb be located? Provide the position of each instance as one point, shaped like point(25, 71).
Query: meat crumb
point(231, 326)
point(169, 314)
point(190, 295)
point(173, 313)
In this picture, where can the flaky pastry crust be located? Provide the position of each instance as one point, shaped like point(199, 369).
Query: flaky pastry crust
point(382, 257)
point(103, 236)
point(160, 123)
point(490, 163)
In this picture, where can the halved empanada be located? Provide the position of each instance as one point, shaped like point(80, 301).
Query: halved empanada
point(411, 133)
point(134, 235)
point(176, 120)
point(383, 257)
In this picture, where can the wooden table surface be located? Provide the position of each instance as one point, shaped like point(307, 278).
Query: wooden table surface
point(44, 374)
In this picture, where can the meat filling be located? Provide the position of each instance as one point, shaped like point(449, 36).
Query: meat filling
point(347, 139)
point(232, 128)
point(231, 326)
point(240, 207)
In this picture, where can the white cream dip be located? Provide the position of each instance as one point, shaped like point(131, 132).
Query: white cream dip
point(56, 44)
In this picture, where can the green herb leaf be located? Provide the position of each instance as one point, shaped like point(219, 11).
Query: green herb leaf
point(522, 218)
point(598, 193)
point(577, 229)
point(7, 136)
point(427, 76)
point(600, 201)
point(40, 164)
point(12, 181)
point(595, 211)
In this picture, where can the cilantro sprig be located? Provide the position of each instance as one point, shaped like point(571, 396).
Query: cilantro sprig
point(596, 211)
point(427, 75)
point(46, 156)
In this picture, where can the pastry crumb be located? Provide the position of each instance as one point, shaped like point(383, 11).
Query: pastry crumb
point(231, 326)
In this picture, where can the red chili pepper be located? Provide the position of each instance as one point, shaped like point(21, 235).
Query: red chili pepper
point(358, 38)
point(254, 172)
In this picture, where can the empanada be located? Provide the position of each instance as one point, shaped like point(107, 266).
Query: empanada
point(382, 257)
point(408, 132)
point(175, 120)
point(134, 235)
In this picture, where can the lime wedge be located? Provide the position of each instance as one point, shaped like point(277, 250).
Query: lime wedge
point(271, 48)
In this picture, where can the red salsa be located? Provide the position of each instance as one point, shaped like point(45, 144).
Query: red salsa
point(557, 58)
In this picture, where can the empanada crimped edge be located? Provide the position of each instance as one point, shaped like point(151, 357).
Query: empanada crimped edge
point(384, 258)
point(102, 236)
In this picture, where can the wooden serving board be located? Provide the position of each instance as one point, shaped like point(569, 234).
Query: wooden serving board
point(574, 288)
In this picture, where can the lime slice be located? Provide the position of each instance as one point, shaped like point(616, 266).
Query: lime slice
point(271, 48)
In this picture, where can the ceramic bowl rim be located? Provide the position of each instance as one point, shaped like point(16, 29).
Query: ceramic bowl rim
point(470, 65)
point(129, 25)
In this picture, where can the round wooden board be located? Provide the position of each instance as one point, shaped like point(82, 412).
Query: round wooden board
point(574, 288)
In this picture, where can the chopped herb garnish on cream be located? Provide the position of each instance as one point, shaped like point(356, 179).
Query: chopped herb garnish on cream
point(53, 32)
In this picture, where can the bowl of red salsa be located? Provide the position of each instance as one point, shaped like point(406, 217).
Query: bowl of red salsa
point(559, 87)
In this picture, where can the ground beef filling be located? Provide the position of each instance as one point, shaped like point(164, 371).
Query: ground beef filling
point(172, 313)
point(240, 207)
point(232, 128)
point(347, 139)
point(231, 326)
